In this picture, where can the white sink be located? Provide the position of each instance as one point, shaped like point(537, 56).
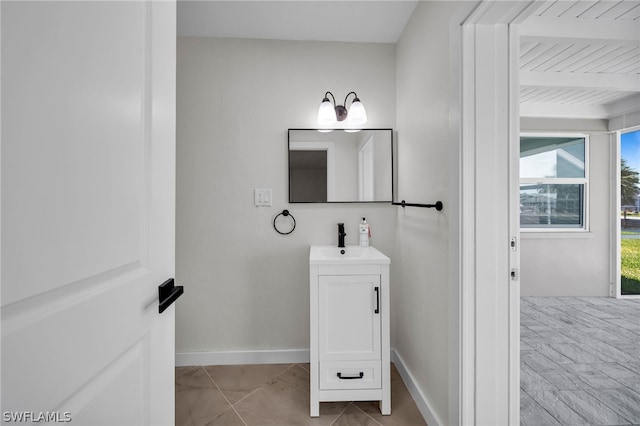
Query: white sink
point(349, 254)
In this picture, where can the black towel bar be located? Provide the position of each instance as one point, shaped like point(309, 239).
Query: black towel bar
point(438, 205)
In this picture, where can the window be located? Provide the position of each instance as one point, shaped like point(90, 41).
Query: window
point(553, 182)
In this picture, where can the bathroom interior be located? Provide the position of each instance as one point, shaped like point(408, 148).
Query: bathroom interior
point(246, 295)
point(238, 94)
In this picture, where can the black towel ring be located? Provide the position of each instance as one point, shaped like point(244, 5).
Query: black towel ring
point(284, 213)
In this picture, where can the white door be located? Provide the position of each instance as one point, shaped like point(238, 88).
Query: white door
point(349, 317)
point(88, 153)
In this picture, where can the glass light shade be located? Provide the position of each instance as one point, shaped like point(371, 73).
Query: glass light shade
point(357, 115)
point(326, 113)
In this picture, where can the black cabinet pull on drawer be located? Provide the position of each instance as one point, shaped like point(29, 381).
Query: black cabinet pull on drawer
point(360, 376)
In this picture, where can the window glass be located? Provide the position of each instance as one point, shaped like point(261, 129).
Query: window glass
point(553, 182)
point(552, 157)
point(551, 205)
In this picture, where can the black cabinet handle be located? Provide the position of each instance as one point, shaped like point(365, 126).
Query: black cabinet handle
point(377, 290)
point(168, 293)
point(360, 376)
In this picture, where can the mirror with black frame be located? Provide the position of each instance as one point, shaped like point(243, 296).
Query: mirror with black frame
point(340, 166)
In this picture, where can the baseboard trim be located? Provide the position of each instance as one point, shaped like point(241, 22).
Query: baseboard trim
point(288, 356)
point(420, 399)
point(295, 356)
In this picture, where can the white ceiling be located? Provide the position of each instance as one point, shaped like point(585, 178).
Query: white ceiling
point(578, 59)
point(350, 21)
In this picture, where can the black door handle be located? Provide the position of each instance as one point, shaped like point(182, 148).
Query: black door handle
point(168, 293)
point(359, 376)
point(377, 290)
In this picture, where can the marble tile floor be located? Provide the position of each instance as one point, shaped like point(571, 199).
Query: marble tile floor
point(579, 361)
point(276, 394)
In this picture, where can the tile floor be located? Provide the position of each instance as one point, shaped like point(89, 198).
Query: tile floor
point(276, 394)
point(580, 364)
point(579, 361)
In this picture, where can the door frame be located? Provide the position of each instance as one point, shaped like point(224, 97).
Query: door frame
point(484, 208)
point(616, 228)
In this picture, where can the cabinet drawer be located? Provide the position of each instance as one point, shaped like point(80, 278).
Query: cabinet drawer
point(350, 375)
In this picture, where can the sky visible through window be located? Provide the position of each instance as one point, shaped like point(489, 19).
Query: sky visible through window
point(630, 149)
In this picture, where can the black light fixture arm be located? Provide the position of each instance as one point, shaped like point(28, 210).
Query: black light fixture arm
point(334, 98)
point(355, 98)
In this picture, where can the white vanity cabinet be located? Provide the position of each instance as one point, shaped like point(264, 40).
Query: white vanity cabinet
point(349, 339)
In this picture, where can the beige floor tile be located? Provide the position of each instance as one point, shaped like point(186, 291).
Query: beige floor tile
point(227, 418)
point(404, 411)
point(198, 401)
point(276, 395)
point(353, 416)
point(182, 370)
point(285, 402)
point(238, 381)
point(306, 367)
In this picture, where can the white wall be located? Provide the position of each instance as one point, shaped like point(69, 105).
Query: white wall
point(246, 287)
point(420, 298)
point(573, 264)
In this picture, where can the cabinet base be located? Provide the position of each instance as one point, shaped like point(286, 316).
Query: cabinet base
point(351, 395)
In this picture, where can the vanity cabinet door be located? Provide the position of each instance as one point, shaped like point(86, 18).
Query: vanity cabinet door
point(349, 317)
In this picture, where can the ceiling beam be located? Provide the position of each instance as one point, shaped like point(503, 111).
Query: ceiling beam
point(546, 27)
point(624, 106)
point(562, 111)
point(628, 105)
point(574, 80)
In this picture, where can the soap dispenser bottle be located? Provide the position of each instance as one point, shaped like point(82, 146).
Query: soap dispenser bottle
point(365, 233)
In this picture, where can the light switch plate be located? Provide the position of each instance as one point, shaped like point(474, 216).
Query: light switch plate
point(262, 197)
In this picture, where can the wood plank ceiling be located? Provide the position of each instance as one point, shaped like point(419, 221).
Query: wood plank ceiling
point(580, 59)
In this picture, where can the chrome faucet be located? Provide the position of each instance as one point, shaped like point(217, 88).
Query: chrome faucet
point(341, 235)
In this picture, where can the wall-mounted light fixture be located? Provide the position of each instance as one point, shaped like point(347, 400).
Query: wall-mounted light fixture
point(330, 113)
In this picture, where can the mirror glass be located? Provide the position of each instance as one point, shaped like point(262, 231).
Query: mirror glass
point(340, 166)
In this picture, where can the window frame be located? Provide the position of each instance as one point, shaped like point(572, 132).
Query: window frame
point(560, 181)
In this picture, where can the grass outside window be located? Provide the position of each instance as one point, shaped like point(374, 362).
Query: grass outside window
point(630, 266)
